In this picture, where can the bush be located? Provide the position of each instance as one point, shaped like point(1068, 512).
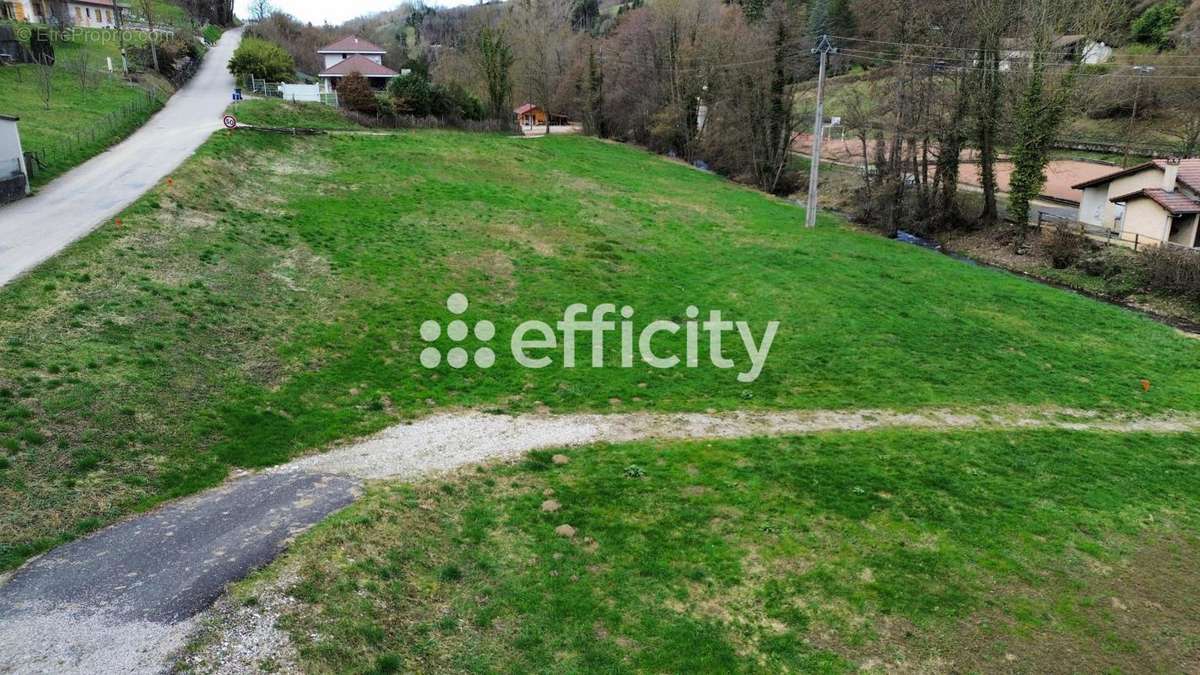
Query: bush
point(211, 33)
point(178, 56)
point(1154, 26)
point(1172, 270)
point(355, 93)
point(415, 95)
point(264, 60)
point(1064, 247)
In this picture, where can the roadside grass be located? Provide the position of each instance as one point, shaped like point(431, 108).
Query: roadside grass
point(1047, 551)
point(267, 301)
point(81, 121)
point(277, 113)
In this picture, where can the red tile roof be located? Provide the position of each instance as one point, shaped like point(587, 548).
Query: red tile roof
point(360, 64)
point(1189, 173)
point(352, 44)
point(1176, 203)
point(525, 108)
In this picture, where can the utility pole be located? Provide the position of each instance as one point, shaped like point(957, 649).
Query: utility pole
point(824, 47)
point(1138, 73)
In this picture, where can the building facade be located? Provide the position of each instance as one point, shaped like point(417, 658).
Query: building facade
point(81, 13)
point(1153, 203)
point(353, 55)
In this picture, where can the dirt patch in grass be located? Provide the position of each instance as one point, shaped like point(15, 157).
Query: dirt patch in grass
point(1135, 614)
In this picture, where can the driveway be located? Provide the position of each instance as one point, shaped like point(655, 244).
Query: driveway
point(32, 230)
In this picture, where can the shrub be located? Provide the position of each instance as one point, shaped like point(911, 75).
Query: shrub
point(415, 95)
point(211, 33)
point(1172, 270)
point(1154, 26)
point(1064, 247)
point(355, 93)
point(264, 60)
point(411, 95)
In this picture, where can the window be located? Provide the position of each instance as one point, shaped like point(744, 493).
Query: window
point(79, 13)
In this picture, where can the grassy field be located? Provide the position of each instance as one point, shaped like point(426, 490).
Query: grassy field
point(277, 113)
point(82, 120)
point(919, 552)
point(267, 303)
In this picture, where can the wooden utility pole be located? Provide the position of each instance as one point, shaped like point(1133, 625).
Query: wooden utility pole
point(824, 47)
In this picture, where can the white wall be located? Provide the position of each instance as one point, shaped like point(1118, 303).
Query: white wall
point(300, 92)
point(10, 151)
point(1094, 204)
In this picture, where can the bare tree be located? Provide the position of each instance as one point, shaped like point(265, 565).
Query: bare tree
point(260, 10)
point(146, 7)
point(44, 70)
point(81, 67)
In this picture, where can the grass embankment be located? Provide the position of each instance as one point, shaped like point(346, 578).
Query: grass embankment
point(82, 121)
point(287, 114)
point(267, 302)
point(925, 552)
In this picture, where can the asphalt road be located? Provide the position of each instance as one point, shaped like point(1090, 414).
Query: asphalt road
point(124, 599)
point(34, 229)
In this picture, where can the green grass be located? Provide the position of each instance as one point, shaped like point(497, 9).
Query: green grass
point(277, 113)
point(267, 303)
point(81, 122)
point(942, 552)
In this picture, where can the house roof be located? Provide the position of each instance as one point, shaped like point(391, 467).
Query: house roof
point(525, 108)
point(1189, 173)
point(1066, 41)
point(352, 44)
point(358, 64)
point(1175, 203)
point(101, 3)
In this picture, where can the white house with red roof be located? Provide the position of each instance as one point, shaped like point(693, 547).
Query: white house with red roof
point(353, 54)
point(1151, 203)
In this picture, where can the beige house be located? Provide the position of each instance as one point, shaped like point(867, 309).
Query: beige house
point(1150, 203)
point(83, 13)
point(354, 55)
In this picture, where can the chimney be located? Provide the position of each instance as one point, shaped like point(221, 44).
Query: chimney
point(1170, 173)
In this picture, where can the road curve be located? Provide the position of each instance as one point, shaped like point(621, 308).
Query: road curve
point(34, 229)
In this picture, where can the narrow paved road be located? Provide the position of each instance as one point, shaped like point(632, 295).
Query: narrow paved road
point(34, 229)
point(127, 598)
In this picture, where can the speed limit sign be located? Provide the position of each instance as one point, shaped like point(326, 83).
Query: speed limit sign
point(230, 122)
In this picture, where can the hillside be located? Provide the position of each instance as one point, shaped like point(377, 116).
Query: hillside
point(85, 114)
point(263, 304)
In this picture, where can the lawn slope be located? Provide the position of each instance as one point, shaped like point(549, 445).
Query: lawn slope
point(1044, 551)
point(267, 302)
point(81, 121)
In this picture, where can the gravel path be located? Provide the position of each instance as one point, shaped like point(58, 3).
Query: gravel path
point(448, 440)
point(126, 598)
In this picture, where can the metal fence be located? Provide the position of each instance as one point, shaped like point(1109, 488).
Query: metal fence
point(102, 131)
point(1102, 234)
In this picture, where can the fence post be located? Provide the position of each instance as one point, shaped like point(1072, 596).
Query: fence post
point(1136, 236)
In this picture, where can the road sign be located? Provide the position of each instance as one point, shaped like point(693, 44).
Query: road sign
point(230, 122)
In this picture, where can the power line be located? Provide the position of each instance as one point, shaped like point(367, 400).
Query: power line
point(1019, 49)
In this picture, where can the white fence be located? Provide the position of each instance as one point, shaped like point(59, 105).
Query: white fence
point(290, 92)
point(300, 92)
